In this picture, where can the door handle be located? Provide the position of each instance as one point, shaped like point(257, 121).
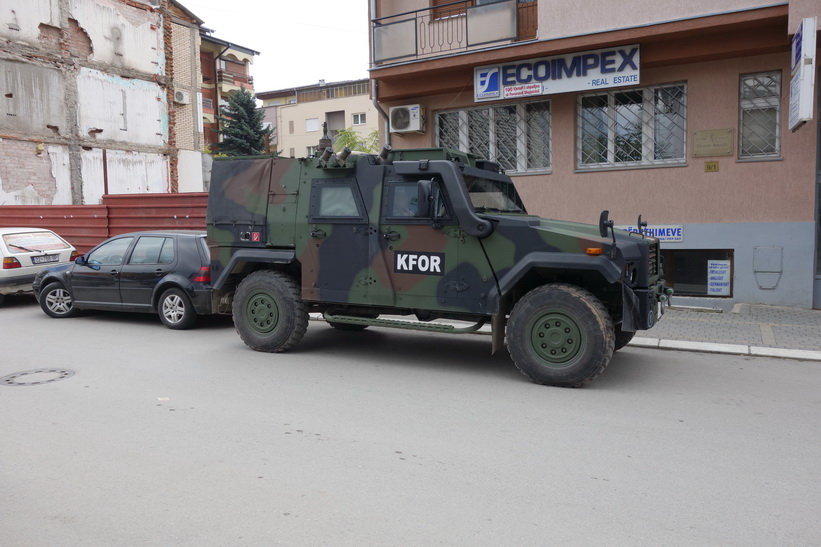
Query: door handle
point(319, 234)
point(113, 272)
point(158, 272)
point(393, 236)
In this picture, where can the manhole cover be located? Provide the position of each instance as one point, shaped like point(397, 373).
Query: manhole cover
point(36, 377)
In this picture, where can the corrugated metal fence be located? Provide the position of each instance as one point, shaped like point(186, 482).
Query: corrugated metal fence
point(84, 226)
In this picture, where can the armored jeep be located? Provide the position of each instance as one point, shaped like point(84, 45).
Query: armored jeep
point(432, 235)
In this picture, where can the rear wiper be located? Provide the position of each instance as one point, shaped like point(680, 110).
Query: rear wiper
point(25, 248)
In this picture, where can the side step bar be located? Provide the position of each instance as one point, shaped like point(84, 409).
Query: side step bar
point(407, 325)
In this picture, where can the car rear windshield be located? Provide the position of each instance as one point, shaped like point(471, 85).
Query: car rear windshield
point(26, 242)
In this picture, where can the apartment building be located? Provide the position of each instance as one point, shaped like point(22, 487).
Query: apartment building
point(297, 114)
point(702, 117)
point(226, 67)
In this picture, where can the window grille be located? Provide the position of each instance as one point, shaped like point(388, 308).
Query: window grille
point(632, 127)
point(759, 101)
point(517, 136)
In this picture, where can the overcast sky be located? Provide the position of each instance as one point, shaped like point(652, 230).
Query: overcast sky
point(299, 41)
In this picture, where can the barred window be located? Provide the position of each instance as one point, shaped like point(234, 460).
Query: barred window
point(632, 127)
point(759, 102)
point(516, 136)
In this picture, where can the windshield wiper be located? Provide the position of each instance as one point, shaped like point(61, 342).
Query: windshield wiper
point(496, 210)
point(25, 248)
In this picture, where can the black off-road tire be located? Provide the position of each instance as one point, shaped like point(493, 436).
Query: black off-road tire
point(268, 312)
point(560, 335)
point(622, 338)
point(176, 310)
point(56, 301)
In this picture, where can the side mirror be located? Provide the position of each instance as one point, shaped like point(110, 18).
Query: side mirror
point(424, 189)
point(81, 261)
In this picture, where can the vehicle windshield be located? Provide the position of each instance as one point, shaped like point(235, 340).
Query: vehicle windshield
point(493, 196)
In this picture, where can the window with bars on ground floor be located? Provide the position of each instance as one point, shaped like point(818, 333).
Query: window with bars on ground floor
point(516, 136)
point(632, 127)
point(760, 112)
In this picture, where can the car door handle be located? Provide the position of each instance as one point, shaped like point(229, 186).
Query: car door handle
point(158, 272)
point(318, 234)
point(114, 272)
point(393, 236)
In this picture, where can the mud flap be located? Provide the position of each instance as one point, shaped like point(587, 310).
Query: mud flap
point(497, 326)
point(630, 310)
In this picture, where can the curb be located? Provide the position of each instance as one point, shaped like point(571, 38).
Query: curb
point(730, 349)
point(701, 347)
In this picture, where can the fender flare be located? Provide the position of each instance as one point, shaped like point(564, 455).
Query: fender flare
point(266, 256)
point(551, 261)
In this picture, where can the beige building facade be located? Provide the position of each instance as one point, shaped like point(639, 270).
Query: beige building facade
point(297, 115)
point(686, 114)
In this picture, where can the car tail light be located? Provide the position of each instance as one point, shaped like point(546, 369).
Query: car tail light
point(74, 254)
point(204, 276)
point(9, 263)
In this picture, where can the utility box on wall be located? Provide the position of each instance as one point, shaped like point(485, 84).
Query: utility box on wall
point(768, 266)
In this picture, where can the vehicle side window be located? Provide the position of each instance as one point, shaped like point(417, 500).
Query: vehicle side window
point(167, 253)
point(404, 201)
point(336, 201)
point(111, 253)
point(147, 250)
point(400, 204)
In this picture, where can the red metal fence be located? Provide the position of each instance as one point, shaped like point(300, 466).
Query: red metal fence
point(84, 226)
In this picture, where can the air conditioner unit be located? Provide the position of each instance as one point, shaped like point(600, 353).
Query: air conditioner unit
point(182, 97)
point(407, 119)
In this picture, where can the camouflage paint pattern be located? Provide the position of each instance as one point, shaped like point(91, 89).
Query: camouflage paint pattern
point(335, 228)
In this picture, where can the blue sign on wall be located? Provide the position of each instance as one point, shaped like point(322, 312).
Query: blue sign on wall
point(599, 69)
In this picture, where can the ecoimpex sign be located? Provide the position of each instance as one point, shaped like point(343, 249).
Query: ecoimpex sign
point(599, 69)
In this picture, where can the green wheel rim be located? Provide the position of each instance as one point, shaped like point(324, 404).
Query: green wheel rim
point(556, 338)
point(262, 313)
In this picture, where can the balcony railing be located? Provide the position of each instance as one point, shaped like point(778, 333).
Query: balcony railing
point(445, 29)
point(232, 78)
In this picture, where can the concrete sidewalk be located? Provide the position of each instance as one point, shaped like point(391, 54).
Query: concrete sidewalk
point(747, 329)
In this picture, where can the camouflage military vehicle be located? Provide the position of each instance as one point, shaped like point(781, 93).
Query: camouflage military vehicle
point(429, 234)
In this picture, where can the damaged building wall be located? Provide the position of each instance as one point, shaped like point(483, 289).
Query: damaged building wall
point(86, 103)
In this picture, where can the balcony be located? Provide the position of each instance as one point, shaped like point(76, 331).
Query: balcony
point(233, 79)
point(456, 27)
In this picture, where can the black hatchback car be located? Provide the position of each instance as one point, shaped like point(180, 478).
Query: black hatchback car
point(164, 272)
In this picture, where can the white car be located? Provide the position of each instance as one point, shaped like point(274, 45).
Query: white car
point(27, 251)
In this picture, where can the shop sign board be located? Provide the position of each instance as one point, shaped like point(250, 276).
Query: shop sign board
point(670, 233)
point(599, 69)
point(803, 73)
point(718, 277)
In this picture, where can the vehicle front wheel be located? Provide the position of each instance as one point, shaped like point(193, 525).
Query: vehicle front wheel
point(56, 301)
point(268, 312)
point(560, 335)
point(176, 311)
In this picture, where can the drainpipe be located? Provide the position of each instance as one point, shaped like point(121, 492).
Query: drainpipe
point(382, 112)
point(217, 85)
point(374, 85)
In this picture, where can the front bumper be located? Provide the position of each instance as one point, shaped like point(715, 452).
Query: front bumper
point(643, 307)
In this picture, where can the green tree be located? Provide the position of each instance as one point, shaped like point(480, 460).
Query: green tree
point(350, 138)
point(241, 126)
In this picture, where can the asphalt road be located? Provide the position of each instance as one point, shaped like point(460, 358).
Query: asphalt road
point(390, 438)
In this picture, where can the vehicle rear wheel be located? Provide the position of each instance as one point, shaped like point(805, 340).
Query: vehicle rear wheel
point(622, 338)
point(56, 301)
point(175, 309)
point(560, 335)
point(268, 313)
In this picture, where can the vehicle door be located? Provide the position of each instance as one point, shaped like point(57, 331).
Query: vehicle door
point(98, 281)
point(433, 263)
point(335, 269)
point(152, 258)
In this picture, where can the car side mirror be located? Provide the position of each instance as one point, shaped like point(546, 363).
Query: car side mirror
point(81, 261)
